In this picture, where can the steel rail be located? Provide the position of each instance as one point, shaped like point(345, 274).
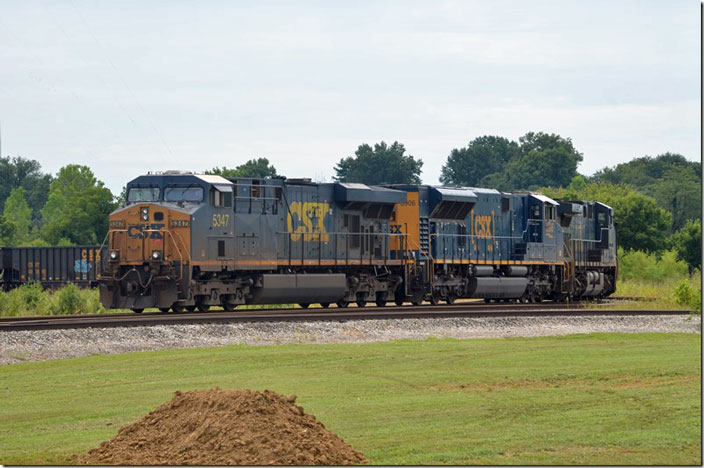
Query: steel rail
point(301, 315)
point(298, 310)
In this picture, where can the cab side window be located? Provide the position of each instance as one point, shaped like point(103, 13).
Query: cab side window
point(549, 212)
point(220, 199)
point(601, 218)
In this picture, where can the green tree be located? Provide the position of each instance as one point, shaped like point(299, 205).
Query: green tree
point(538, 159)
point(7, 232)
point(688, 244)
point(646, 170)
point(671, 179)
point(259, 168)
point(483, 156)
point(18, 212)
point(642, 225)
point(19, 172)
point(77, 208)
point(545, 160)
point(382, 164)
point(122, 198)
point(679, 191)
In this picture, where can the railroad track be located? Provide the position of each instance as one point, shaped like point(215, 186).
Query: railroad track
point(467, 309)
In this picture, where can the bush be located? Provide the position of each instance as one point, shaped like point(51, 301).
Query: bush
point(69, 300)
point(4, 304)
point(634, 264)
point(31, 299)
point(684, 295)
point(32, 295)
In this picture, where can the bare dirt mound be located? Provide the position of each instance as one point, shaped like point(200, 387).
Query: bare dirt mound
point(225, 427)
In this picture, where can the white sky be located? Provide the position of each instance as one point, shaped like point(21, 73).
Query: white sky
point(130, 86)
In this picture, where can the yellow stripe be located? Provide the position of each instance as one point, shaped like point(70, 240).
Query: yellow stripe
point(498, 262)
point(270, 263)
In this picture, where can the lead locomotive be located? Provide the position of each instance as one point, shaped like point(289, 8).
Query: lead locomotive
point(185, 241)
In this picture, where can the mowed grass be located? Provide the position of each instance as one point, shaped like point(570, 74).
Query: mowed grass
point(578, 399)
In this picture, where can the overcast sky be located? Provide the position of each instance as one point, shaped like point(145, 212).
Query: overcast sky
point(130, 86)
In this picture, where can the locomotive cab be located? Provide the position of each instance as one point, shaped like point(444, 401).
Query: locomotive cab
point(149, 238)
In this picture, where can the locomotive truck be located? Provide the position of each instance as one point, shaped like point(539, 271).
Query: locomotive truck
point(185, 241)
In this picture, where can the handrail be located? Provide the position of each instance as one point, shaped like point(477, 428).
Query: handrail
point(173, 240)
point(316, 238)
point(111, 234)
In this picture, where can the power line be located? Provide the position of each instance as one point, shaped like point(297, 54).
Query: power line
point(124, 83)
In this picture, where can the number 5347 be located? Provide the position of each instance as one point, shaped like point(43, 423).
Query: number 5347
point(221, 220)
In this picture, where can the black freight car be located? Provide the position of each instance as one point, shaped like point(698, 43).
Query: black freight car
point(53, 267)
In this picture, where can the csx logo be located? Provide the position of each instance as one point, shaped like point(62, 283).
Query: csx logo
point(136, 231)
point(482, 226)
point(483, 230)
point(308, 219)
point(395, 228)
point(549, 228)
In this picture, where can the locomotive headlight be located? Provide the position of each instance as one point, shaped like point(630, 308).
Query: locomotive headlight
point(156, 254)
point(145, 214)
point(114, 254)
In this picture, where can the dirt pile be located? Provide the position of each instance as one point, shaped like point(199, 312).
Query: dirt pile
point(225, 427)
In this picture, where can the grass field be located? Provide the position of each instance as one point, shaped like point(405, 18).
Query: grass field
point(595, 399)
point(661, 294)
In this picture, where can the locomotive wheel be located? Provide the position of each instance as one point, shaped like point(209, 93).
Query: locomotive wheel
point(304, 305)
point(361, 302)
point(324, 305)
point(381, 299)
point(164, 310)
point(189, 308)
point(342, 304)
point(227, 305)
point(434, 300)
point(417, 302)
point(137, 311)
point(203, 307)
point(178, 308)
point(450, 299)
point(398, 301)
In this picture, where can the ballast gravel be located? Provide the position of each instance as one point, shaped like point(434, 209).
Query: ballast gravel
point(40, 345)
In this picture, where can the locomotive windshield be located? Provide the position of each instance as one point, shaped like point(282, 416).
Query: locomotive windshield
point(183, 194)
point(143, 194)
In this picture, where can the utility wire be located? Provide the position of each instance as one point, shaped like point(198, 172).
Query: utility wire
point(124, 83)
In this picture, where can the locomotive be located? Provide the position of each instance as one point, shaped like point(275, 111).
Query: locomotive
point(185, 241)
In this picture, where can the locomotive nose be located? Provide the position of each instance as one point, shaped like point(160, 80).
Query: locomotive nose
point(148, 252)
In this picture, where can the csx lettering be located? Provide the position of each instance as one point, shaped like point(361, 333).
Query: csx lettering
point(308, 219)
point(136, 231)
point(482, 226)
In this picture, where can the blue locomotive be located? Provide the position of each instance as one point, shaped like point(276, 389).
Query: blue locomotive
point(186, 241)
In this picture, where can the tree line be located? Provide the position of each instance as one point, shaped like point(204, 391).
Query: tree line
point(657, 200)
